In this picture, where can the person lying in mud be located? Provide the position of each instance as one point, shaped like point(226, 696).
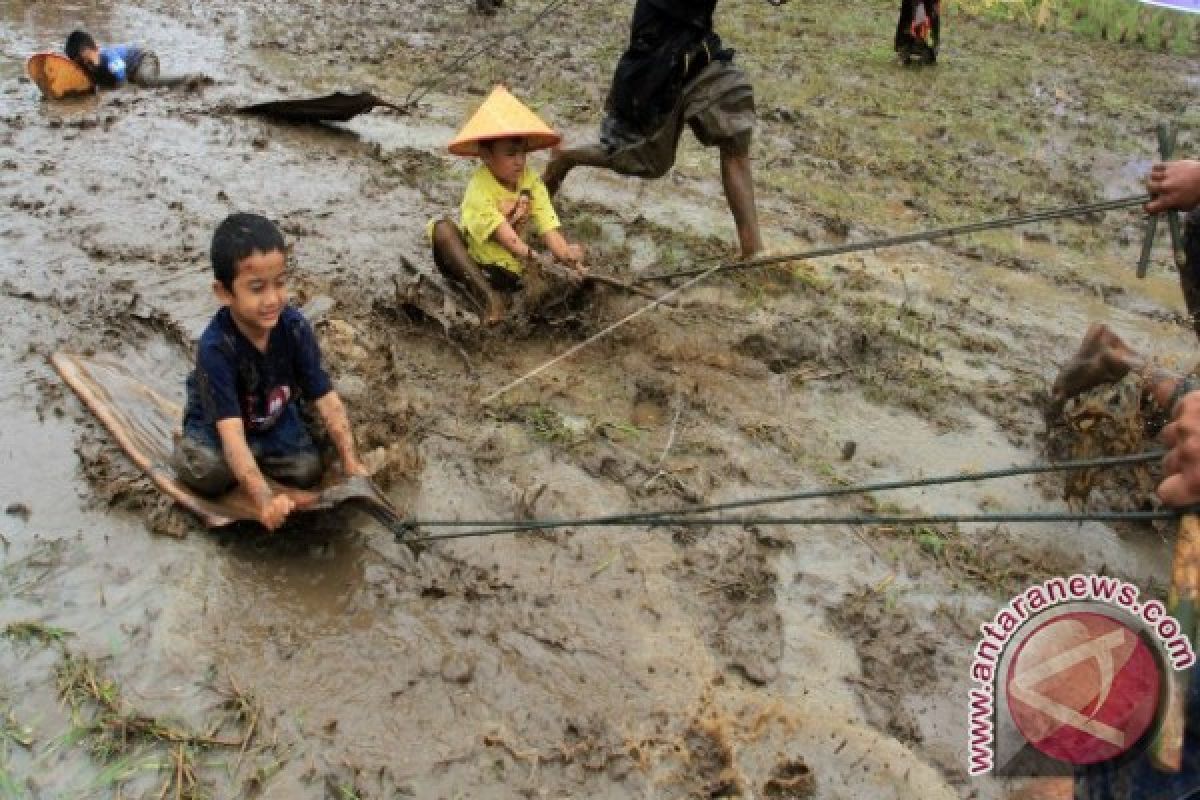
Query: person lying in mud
point(116, 65)
point(486, 251)
point(918, 31)
point(254, 361)
point(675, 71)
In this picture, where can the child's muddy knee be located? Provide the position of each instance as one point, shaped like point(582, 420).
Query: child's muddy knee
point(202, 468)
point(303, 469)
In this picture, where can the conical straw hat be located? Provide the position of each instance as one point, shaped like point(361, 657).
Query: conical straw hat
point(503, 116)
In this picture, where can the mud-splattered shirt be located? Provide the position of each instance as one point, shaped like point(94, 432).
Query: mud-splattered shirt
point(234, 379)
point(486, 204)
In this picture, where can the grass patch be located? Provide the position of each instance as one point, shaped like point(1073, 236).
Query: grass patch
point(128, 742)
point(31, 631)
point(1122, 21)
point(546, 425)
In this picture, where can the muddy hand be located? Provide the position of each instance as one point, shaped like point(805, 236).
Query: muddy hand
point(273, 512)
point(1175, 186)
point(575, 255)
point(516, 212)
point(1181, 466)
point(302, 499)
point(538, 262)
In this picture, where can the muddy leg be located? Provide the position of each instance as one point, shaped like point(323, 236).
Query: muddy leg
point(451, 256)
point(202, 468)
point(1189, 273)
point(1102, 358)
point(287, 452)
point(738, 182)
point(563, 161)
point(149, 75)
point(302, 470)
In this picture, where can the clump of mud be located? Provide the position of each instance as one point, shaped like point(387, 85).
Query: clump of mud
point(791, 780)
point(710, 760)
point(118, 484)
point(589, 745)
point(1106, 421)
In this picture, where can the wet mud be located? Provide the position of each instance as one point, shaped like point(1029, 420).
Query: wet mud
point(615, 662)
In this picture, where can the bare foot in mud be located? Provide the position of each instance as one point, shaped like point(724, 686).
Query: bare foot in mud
point(1102, 358)
point(555, 172)
point(493, 314)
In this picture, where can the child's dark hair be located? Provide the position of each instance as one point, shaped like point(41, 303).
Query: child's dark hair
point(77, 42)
point(238, 237)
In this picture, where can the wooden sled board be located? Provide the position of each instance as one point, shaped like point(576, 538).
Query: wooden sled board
point(57, 76)
point(144, 424)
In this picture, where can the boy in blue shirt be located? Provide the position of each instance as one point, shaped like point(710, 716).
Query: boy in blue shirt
point(257, 356)
point(112, 66)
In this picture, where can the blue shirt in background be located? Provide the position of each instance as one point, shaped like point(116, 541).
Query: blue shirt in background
point(120, 60)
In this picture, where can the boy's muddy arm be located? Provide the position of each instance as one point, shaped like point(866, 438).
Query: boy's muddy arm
point(508, 238)
point(272, 508)
point(563, 250)
point(333, 413)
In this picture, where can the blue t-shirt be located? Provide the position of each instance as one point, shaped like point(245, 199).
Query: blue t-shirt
point(234, 379)
point(120, 60)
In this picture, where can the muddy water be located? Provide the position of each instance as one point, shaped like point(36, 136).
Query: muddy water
point(610, 663)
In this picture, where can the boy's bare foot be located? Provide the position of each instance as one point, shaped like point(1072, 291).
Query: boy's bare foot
point(494, 313)
point(556, 171)
point(1102, 358)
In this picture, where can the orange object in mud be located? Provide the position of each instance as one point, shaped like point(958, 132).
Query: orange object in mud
point(503, 116)
point(144, 424)
point(57, 76)
point(922, 26)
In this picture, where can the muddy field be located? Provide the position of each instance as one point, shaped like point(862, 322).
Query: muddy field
point(147, 657)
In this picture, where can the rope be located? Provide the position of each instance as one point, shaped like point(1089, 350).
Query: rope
point(474, 49)
point(918, 236)
point(850, 519)
point(596, 337)
point(698, 275)
point(671, 516)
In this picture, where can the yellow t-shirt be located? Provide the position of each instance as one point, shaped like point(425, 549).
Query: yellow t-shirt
point(486, 204)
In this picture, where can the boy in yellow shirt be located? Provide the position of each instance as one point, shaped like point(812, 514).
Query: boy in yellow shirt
point(486, 250)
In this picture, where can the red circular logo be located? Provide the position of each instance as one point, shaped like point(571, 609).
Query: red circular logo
point(1083, 688)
